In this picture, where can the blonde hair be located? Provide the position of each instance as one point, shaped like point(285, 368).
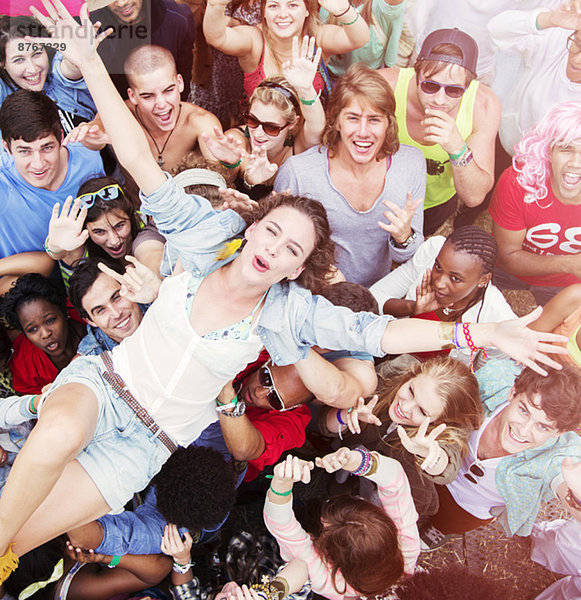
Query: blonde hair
point(270, 95)
point(458, 390)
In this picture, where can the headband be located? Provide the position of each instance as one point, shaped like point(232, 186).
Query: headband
point(200, 177)
point(284, 91)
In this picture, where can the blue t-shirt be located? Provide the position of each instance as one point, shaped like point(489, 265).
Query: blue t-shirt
point(25, 210)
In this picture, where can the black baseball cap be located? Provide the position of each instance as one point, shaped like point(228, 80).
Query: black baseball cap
point(463, 41)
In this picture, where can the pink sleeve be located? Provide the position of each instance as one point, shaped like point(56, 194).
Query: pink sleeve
point(295, 542)
point(395, 495)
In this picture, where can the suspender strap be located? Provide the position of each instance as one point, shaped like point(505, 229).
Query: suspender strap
point(120, 388)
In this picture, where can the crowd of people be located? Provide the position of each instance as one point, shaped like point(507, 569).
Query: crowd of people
point(223, 273)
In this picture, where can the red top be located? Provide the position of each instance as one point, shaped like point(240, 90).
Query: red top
point(552, 228)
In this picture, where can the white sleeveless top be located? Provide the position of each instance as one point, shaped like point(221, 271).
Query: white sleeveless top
point(172, 371)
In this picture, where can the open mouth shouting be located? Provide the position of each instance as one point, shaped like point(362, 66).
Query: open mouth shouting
point(260, 264)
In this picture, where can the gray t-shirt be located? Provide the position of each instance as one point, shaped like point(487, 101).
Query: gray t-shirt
point(364, 253)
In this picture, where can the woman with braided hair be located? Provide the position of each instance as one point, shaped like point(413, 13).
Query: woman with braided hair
point(448, 279)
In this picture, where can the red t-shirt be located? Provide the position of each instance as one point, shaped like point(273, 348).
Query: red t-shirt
point(552, 228)
point(281, 431)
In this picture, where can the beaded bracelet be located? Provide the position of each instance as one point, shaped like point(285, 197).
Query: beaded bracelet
point(473, 348)
point(365, 462)
point(231, 165)
point(350, 22)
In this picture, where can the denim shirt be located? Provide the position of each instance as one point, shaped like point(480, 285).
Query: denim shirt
point(523, 479)
point(71, 96)
point(292, 319)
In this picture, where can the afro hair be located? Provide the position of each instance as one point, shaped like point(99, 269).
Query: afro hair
point(195, 488)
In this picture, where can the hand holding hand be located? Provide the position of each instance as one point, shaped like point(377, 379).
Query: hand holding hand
point(301, 69)
point(425, 296)
point(344, 458)
point(226, 148)
point(399, 219)
point(65, 230)
point(440, 128)
point(138, 284)
point(361, 412)
point(425, 446)
point(176, 546)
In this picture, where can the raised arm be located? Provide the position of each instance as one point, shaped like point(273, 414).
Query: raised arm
point(125, 133)
point(351, 33)
point(237, 41)
point(300, 72)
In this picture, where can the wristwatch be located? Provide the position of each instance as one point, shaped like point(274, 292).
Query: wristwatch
point(239, 409)
point(405, 244)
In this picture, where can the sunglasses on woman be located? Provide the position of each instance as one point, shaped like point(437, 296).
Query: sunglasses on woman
point(273, 398)
point(271, 129)
point(109, 192)
point(428, 86)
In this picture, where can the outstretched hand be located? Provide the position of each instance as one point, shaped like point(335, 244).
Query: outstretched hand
point(236, 200)
point(90, 135)
point(79, 41)
point(259, 169)
point(138, 284)
point(361, 412)
point(425, 446)
point(292, 470)
point(65, 230)
point(301, 69)
point(344, 458)
point(527, 346)
point(399, 224)
point(224, 147)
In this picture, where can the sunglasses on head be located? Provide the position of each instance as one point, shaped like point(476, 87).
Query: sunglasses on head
point(272, 397)
point(271, 129)
point(428, 86)
point(474, 471)
point(109, 192)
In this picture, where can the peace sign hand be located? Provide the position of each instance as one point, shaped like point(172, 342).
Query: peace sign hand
point(138, 284)
point(399, 219)
point(426, 446)
point(361, 412)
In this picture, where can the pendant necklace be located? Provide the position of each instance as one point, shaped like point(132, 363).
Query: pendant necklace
point(159, 152)
point(448, 311)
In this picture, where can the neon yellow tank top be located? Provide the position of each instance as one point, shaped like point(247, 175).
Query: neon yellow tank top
point(440, 186)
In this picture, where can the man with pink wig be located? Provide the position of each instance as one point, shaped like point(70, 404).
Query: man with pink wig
point(536, 208)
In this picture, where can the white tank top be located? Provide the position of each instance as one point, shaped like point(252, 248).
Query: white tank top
point(172, 371)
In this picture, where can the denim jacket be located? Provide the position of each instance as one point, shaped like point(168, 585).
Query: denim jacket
point(292, 319)
point(71, 96)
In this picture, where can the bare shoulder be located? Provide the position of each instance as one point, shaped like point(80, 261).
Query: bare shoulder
point(390, 74)
point(198, 119)
point(487, 104)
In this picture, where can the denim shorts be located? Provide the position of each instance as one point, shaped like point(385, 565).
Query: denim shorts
point(123, 455)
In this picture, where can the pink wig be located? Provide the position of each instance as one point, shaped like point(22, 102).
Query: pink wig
point(560, 126)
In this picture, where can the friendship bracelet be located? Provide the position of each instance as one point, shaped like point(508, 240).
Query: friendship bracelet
point(182, 569)
point(455, 156)
point(344, 12)
point(48, 250)
point(455, 338)
point(231, 165)
point(280, 493)
point(464, 160)
point(473, 348)
point(350, 22)
point(31, 405)
point(341, 422)
point(114, 562)
point(310, 102)
point(363, 468)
